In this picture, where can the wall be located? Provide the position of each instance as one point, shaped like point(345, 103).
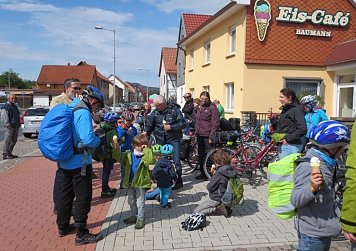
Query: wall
point(41, 100)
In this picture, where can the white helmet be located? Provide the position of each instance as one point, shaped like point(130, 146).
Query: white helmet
point(309, 99)
point(194, 221)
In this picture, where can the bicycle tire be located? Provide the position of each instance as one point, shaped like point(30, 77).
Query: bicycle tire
point(193, 158)
point(208, 161)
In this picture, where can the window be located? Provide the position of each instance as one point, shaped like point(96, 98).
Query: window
point(303, 87)
point(345, 79)
point(206, 88)
point(229, 96)
point(192, 91)
point(232, 40)
point(191, 59)
point(207, 52)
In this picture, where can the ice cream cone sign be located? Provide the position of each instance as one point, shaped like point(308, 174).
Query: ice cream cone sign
point(262, 12)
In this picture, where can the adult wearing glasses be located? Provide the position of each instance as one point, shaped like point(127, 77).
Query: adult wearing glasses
point(207, 122)
point(71, 91)
point(166, 122)
point(10, 115)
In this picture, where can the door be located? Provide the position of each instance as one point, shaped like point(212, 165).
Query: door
point(346, 101)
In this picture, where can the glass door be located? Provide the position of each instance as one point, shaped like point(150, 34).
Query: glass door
point(346, 101)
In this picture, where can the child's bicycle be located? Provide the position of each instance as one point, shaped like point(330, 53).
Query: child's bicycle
point(246, 159)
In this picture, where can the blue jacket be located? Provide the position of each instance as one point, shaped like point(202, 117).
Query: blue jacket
point(82, 132)
point(126, 145)
point(164, 173)
point(313, 118)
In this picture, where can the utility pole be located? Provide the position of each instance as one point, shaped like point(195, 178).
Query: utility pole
point(8, 80)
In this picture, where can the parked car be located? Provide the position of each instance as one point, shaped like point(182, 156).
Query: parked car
point(136, 106)
point(119, 108)
point(31, 120)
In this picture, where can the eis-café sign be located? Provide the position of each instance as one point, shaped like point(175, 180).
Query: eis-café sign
point(317, 17)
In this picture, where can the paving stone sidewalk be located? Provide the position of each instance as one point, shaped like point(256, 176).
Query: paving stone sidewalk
point(252, 226)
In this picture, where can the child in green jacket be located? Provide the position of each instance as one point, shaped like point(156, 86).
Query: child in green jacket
point(137, 177)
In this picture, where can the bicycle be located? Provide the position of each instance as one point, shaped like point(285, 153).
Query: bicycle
point(192, 158)
point(246, 159)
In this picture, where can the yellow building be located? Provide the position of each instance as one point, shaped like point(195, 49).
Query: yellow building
point(246, 53)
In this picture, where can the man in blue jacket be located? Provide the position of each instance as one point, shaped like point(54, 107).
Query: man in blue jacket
point(166, 122)
point(77, 170)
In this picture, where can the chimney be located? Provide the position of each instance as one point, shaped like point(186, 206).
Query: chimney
point(68, 64)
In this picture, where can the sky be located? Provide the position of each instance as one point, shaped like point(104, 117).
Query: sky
point(35, 33)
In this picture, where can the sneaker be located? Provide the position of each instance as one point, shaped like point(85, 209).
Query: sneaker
point(131, 220)
point(158, 198)
point(14, 156)
point(108, 194)
point(201, 177)
point(8, 157)
point(168, 205)
point(140, 223)
point(70, 229)
point(87, 238)
point(224, 209)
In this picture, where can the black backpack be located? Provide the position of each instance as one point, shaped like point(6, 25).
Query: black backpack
point(101, 152)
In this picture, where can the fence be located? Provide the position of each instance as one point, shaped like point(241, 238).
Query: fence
point(23, 101)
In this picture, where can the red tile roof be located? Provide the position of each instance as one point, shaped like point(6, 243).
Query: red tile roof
point(343, 52)
point(193, 21)
point(169, 58)
point(57, 74)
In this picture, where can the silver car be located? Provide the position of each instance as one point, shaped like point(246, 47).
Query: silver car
point(32, 119)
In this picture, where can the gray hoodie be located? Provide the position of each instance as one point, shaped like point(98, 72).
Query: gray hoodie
point(317, 214)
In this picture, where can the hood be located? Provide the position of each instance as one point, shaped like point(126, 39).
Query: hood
point(227, 171)
point(172, 105)
point(163, 163)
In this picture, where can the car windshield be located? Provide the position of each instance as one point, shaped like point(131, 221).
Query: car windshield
point(37, 112)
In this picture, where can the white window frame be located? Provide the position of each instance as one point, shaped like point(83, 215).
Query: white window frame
point(206, 88)
point(305, 81)
point(192, 91)
point(232, 40)
point(230, 95)
point(207, 52)
point(192, 59)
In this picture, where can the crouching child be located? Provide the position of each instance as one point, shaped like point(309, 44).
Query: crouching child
point(136, 177)
point(218, 185)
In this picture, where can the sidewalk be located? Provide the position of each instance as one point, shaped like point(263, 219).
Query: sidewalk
point(28, 223)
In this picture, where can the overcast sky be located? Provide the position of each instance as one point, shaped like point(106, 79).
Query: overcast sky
point(36, 33)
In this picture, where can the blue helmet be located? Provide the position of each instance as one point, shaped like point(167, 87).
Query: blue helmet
point(329, 134)
point(93, 92)
point(167, 149)
point(111, 117)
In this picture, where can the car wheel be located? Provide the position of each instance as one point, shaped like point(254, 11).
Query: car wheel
point(27, 135)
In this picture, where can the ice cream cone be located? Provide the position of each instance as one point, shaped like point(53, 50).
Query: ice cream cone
point(315, 163)
point(262, 28)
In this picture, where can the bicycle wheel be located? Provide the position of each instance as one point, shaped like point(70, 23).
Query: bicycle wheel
point(193, 158)
point(209, 161)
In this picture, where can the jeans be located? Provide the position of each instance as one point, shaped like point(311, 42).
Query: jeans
point(165, 194)
point(11, 135)
point(136, 200)
point(287, 149)
point(58, 179)
point(207, 206)
point(152, 195)
point(107, 167)
point(307, 243)
point(80, 187)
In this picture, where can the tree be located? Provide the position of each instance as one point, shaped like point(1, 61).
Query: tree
point(11, 79)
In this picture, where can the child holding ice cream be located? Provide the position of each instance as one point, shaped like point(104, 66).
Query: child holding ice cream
point(317, 219)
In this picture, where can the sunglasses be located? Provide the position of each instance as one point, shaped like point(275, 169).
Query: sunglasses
point(77, 88)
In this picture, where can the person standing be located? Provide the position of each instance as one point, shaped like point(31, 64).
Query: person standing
point(166, 122)
point(348, 212)
point(76, 172)
point(10, 115)
point(220, 109)
point(290, 125)
point(71, 91)
point(188, 111)
point(207, 122)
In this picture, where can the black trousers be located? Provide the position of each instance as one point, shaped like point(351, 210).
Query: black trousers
point(74, 185)
point(203, 148)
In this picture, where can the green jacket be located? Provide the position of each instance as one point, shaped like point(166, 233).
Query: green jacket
point(348, 212)
point(142, 178)
point(221, 111)
point(110, 132)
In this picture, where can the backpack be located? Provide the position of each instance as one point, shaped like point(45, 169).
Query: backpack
point(194, 222)
point(280, 185)
point(234, 194)
point(101, 152)
point(55, 138)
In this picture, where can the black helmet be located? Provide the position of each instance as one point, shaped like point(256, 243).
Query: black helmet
point(93, 92)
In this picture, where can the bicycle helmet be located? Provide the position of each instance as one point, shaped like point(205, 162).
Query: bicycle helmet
point(129, 116)
point(329, 134)
point(156, 148)
point(93, 92)
point(309, 101)
point(167, 149)
point(111, 117)
point(194, 221)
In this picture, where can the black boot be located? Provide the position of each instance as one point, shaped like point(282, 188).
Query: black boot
point(178, 184)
